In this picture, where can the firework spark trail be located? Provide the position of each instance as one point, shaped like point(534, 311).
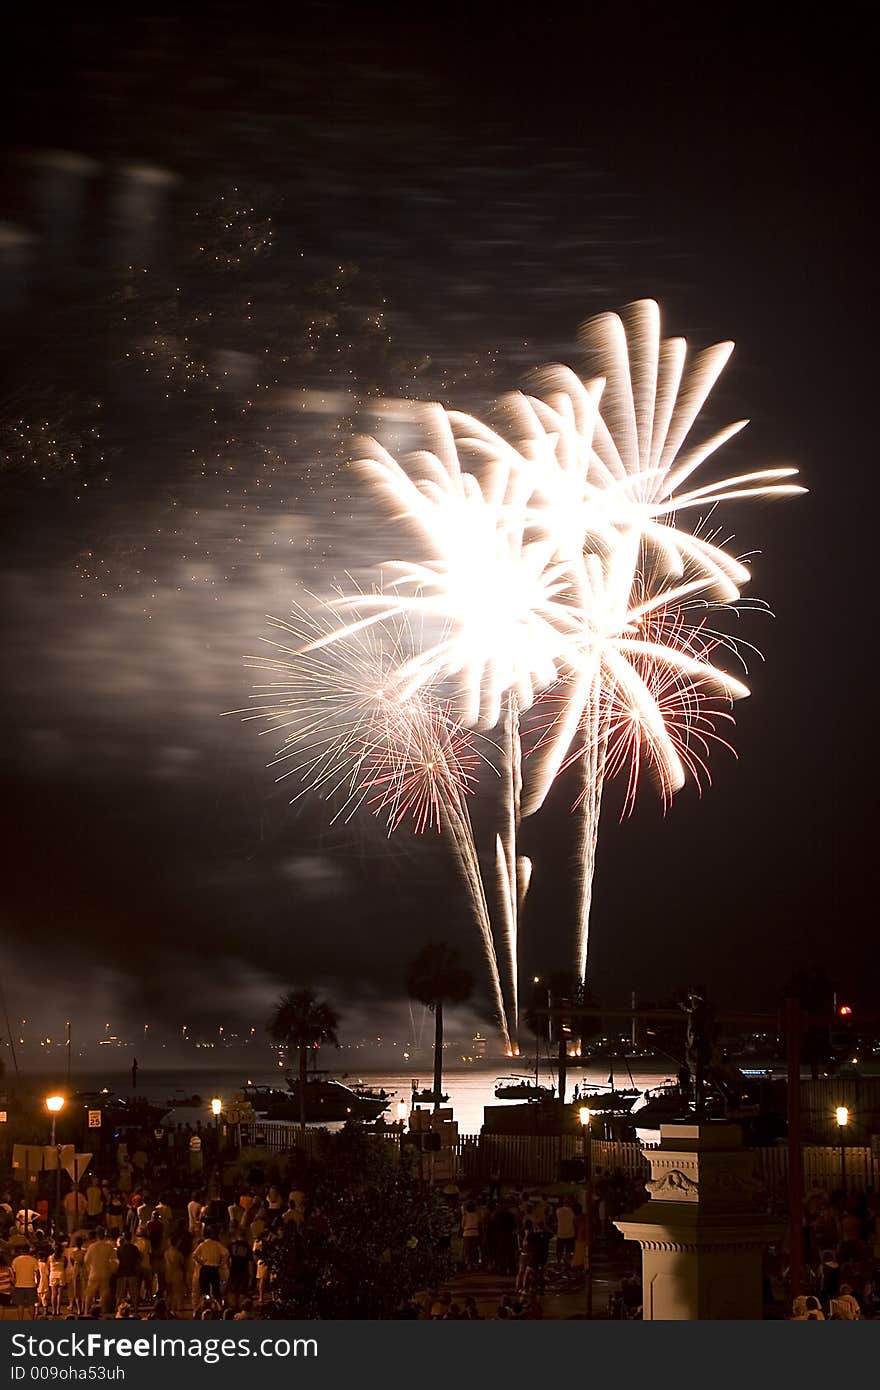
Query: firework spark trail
point(513, 869)
point(431, 775)
point(615, 737)
point(689, 707)
point(462, 835)
point(352, 731)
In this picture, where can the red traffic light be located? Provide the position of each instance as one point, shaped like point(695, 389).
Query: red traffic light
point(844, 1011)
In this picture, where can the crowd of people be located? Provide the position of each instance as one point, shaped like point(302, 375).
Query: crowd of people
point(178, 1244)
point(842, 1255)
point(202, 1261)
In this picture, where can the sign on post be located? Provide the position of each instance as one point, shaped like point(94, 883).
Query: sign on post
point(94, 1119)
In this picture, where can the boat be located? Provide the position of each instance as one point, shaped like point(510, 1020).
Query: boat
point(660, 1105)
point(608, 1100)
point(326, 1100)
point(179, 1101)
point(522, 1088)
point(366, 1092)
point(424, 1095)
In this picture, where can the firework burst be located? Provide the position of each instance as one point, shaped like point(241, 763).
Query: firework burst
point(554, 557)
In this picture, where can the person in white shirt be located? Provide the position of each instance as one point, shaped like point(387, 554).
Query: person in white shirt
point(101, 1264)
point(470, 1234)
point(57, 1279)
point(210, 1265)
point(564, 1233)
point(26, 1273)
point(94, 1202)
point(194, 1215)
point(26, 1220)
point(75, 1206)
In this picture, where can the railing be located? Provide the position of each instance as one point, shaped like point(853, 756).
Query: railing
point(539, 1158)
point(283, 1136)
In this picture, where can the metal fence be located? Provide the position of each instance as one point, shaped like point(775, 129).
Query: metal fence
point(539, 1158)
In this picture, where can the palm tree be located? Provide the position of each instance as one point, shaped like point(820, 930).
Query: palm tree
point(303, 1021)
point(437, 977)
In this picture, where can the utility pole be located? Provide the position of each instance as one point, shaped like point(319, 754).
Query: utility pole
point(794, 1025)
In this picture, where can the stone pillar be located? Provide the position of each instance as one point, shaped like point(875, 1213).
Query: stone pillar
point(701, 1232)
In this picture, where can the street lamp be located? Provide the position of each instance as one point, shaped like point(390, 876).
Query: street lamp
point(586, 1116)
point(54, 1105)
point(842, 1116)
point(216, 1107)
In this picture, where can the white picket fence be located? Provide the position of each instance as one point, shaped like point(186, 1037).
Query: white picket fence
point(539, 1158)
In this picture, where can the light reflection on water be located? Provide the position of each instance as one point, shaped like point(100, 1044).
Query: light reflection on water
point(469, 1089)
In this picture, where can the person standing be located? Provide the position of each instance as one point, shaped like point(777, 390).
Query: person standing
point(564, 1233)
point(74, 1205)
point(579, 1251)
point(57, 1279)
point(526, 1256)
point(157, 1239)
point(101, 1264)
point(7, 1283)
point(141, 1242)
point(194, 1215)
point(241, 1272)
point(126, 1174)
point(94, 1203)
point(175, 1277)
point(25, 1273)
point(76, 1273)
point(210, 1262)
point(165, 1215)
point(128, 1282)
point(235, 1218)
point(115, 1213)
point(470, 1234)
point(43, 1281)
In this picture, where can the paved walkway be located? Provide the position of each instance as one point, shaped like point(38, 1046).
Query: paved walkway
point(561, 1299)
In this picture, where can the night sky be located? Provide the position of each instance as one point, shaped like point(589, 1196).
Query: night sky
point(221, 242)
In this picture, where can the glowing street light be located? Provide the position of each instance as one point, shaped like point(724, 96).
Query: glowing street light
point(842, 1116)
point(402, 1110)
point(54, 1105)
point(216, 1107)
point(585, 1115)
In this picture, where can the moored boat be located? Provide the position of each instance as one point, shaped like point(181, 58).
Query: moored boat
point(326, 1100)
point(424, 1095)
point(522, 1088)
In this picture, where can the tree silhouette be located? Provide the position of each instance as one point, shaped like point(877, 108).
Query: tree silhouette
point(436, 977)
point(371, 1238)
point(303, 1021)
